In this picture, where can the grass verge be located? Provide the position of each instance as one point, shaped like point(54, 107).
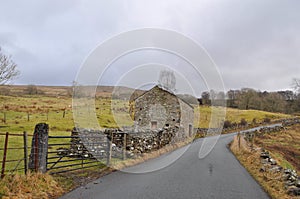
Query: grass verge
point(271, 182)
point(32, 185)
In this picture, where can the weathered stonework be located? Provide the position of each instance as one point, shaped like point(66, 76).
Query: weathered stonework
point(87, 143)
point(158, 108)
point(39, 148)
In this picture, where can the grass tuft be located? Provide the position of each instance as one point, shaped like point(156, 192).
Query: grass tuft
point(32, 185)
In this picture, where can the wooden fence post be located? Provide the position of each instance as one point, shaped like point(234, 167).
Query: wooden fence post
point(239, 140)
point(253, 137)
point(109, 148)
point(25, 139)
point(28, 117)
point(124, 147)
point(4, 117)
point(39, 148)
point(4, 156)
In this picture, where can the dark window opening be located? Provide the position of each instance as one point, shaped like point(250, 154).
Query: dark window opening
point(190, 130)
point(153, 124)
point(167, 125)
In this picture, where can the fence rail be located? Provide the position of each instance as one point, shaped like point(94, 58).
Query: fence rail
point(10, 158)
point(64, 153)
point(71, 153)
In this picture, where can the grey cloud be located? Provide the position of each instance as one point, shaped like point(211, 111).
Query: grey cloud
point(254, 43)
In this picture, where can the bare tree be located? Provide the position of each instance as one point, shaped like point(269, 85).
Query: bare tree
point(232, 96)
point(32, 89)
point(8, 69)
point(205, 98)
point(248, 99)
point(167, 80)
point(296, 85)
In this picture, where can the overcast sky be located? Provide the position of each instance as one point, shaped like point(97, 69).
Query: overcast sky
point(254, 43)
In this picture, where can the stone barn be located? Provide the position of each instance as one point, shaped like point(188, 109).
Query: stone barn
point(159, 108)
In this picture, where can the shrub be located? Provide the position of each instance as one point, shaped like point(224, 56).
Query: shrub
point(32, 89)
point(267, 120)
point(227, 124)
point(234, 125)
point(243, 122)
point(4, 91)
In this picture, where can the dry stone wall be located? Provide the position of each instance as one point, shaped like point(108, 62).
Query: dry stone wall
point(269, 164)
point(95, 144)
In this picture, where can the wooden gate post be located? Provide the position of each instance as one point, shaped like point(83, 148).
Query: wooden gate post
point(124, 147)
point(25, 140)
point(39, 148)
point(109, 148)
point(4, 155)
point(239, 140)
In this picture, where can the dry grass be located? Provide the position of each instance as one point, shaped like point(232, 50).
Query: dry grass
point(33, 185)
point(271, 182)
point(285, 145)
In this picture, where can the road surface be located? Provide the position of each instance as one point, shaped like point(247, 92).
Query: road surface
point(218, 175)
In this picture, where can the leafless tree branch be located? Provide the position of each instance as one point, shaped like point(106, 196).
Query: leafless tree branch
point(296, 85)
point(8, 69)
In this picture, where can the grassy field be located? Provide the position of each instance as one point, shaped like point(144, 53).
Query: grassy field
point(24, 112)
point(235, 115)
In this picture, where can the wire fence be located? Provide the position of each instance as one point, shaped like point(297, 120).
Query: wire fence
point(15, 116)
point(14, 158)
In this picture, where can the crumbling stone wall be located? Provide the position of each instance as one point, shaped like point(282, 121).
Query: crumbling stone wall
point(289, 176)
point(90, 143)
point(269, 164)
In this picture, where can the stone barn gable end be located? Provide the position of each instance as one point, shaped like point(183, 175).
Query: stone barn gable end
point(159, 108)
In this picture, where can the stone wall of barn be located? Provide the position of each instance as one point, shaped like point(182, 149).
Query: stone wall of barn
point(156, 109)
point(187, 118)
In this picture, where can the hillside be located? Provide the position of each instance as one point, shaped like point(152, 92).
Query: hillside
point(18, 114)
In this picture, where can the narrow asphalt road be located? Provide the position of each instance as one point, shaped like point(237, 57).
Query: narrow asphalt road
point(218, 175)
